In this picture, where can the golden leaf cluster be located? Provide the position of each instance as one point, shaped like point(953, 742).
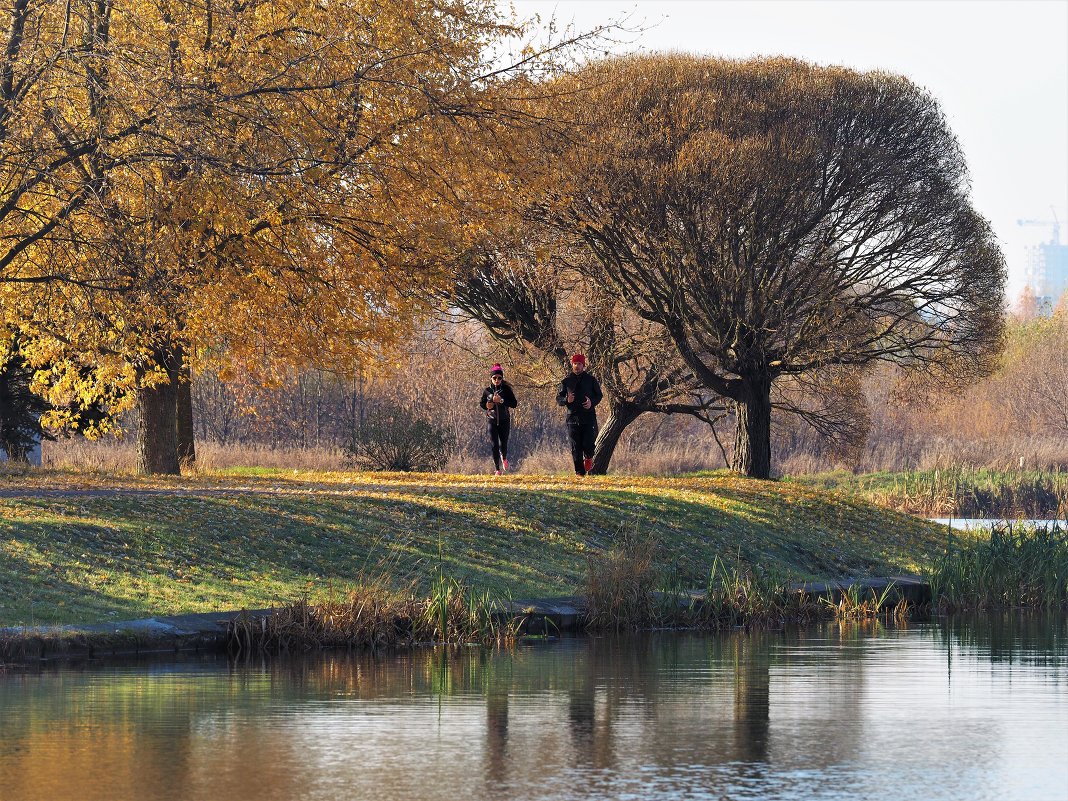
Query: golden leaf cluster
point(255, 184)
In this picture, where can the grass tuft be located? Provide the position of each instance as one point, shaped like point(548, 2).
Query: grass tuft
point(745, 597)
point(373, 615)
point(1018, 566)
point(620, 585)
point(854, 604)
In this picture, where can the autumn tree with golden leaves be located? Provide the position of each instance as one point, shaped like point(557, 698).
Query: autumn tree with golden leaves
point(258, 185)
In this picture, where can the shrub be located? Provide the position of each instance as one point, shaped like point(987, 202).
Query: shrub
point(399, 440)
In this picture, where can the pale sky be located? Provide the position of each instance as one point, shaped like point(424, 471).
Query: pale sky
point(999, 69)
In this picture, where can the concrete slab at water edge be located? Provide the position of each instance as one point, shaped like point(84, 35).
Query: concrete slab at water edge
point(913, 589)
point(164, 633)
point(207, 631)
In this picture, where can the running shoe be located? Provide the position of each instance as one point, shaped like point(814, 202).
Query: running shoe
point(587, 464)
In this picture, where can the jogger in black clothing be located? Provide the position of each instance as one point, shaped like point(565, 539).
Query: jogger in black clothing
point(580, 393)
point(497, 399)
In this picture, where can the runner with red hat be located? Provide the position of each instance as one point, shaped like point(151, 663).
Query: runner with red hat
point(580, 393)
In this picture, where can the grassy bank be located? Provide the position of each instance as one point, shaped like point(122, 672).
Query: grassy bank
point(87, 547)
point(956, 492)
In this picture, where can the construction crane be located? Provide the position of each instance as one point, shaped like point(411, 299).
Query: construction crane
point(1054, 223)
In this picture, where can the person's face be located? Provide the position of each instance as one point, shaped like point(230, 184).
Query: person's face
point(578, 367)
point(497, 381)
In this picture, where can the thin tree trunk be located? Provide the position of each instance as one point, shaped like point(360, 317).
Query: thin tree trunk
point(620, 416)
point(157, 446)
point(185, 443)
point(16, 453)
point(752, 439)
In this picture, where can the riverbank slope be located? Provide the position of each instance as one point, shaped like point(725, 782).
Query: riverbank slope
point(80, 548)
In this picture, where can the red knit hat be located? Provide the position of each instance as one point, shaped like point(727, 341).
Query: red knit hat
point(578, 358)
point(497, 370)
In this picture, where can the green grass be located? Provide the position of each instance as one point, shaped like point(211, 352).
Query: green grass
point(256, 538)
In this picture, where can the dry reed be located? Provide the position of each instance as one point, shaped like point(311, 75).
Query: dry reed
point(620, 585)
point(1018, 566)
point(373, 616)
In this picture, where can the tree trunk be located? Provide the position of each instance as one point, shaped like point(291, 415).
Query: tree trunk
point(182, 379)
point(16, 453)
point(620, 416)
point(157, 445)
point(752, 438)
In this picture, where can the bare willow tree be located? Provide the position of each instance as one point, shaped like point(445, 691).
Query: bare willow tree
point(539, 306)
point(780, 219)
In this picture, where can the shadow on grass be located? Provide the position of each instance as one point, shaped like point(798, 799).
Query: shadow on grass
point(137, 555)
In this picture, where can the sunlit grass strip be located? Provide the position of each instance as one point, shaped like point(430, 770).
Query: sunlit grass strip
point(1018, 566)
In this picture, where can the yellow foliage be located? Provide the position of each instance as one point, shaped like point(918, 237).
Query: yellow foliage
point(258, 185)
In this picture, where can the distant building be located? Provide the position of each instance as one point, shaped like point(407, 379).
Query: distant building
point(1046, 273)
point(1046, 266)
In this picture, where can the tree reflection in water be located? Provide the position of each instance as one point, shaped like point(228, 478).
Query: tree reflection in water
point(752, 698)
point(574, 718)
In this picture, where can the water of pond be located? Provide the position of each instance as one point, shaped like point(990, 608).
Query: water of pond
point(950, 710)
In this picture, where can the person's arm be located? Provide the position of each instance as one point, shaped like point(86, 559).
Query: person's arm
point(485, 399)
point(509, 396)
point(595, 391)
point(561, 395)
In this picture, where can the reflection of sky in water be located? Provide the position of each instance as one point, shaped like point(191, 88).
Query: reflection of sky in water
point(932, 712)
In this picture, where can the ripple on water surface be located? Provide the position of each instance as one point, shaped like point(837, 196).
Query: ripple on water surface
point(955, 710)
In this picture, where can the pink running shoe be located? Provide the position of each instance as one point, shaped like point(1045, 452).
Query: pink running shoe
point(496, 472)
point(587, 465)
point(504, 465)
